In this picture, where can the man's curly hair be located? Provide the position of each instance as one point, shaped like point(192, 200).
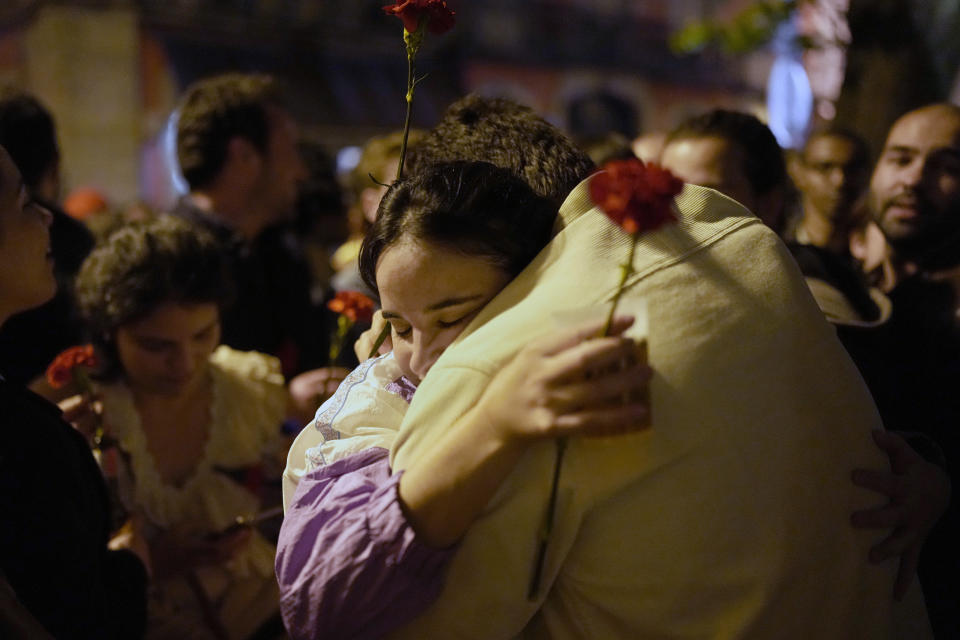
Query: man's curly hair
point(510, 136)
point(216, 110)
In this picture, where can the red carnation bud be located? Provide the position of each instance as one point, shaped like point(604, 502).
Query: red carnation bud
point(440, 18)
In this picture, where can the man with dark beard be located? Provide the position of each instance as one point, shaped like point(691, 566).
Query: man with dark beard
point(915, 199)
point(915, 191)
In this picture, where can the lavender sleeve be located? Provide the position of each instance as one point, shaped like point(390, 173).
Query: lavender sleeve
point(348, 563)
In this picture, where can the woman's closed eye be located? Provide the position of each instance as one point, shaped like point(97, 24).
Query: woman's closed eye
point(446, 324)
point(461, 316)
point(404, 331)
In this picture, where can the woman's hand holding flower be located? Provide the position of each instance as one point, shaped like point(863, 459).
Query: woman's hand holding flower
point(571, 384)
point(84, 412)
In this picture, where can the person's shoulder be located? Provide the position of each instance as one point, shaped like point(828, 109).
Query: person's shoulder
point(187, 210)
point(32, 430)
point(19, 402)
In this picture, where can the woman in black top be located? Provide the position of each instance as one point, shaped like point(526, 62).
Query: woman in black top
point(54, 516)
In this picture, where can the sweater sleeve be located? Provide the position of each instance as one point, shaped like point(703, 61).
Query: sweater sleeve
point(348, 563)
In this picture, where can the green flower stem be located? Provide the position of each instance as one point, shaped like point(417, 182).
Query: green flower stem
point(380, 339)
point(413, 42)
point(343, 327)
point(547, 527)
point(625, 270)
point(406, 122)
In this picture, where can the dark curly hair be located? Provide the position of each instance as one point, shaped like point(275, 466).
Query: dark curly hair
point(28, 134)
point(140, 268)
point(473, 208)
point(509, 136)
point(216, 110)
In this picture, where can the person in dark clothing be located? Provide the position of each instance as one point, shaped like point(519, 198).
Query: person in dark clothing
point(30, 340)
point(831, 172)
point(237, 148)
point(914, 197)
point(56, 519)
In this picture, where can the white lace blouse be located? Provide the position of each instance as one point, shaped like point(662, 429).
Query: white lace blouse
point(365, 411)
point(248, 406)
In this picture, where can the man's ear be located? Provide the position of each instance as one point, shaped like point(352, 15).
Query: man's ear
point(48, 187)
point(796, 168)
point(242, 157)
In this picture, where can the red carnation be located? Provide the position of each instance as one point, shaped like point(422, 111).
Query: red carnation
point(635, 195)
point(64, 367)
point(354, 305)
point(439, 16)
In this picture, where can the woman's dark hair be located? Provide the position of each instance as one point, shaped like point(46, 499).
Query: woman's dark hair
point(28, 134)
point(142, 267)
point(473, 208)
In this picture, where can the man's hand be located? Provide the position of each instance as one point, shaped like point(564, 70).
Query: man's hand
point(918, 493)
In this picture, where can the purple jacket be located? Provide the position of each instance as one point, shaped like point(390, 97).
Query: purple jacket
point(348, 563)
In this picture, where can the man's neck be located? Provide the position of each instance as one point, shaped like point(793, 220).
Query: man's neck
point(228, 209)
point(822, 232)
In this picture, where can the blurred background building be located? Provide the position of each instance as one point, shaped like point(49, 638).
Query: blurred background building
point(111, 70)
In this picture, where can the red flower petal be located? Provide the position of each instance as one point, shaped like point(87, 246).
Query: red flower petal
point(61, 370)
point(440, 18)
point(354, 305)
point(635, 195)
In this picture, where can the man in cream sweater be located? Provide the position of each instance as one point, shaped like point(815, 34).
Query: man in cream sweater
point(730, 517)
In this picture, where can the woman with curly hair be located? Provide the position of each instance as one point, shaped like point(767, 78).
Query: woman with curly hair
point(195, 426)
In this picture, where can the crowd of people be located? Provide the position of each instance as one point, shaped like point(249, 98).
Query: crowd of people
point(760, 445)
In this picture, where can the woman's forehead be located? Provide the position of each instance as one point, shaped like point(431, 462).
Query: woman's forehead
point(175, 318)
point(419, 275)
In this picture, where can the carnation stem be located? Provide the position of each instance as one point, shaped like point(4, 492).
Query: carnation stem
point(374, 352)
point(547, 527)
point(336, 346)
point(625, 270)
point(411, 56)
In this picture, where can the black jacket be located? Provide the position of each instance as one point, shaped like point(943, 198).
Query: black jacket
point(54, 527)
